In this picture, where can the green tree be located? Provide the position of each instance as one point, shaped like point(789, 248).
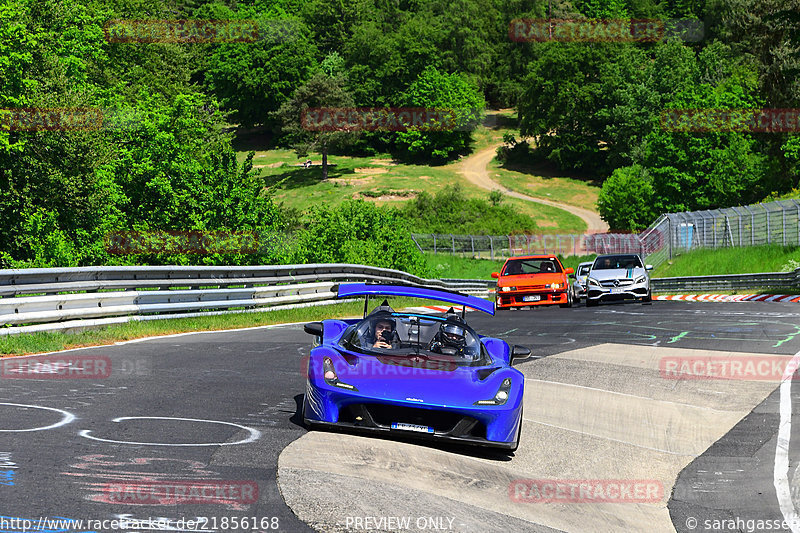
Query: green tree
point(434, 90)
point(253, 79)
point(626, 200)
point(321, 91)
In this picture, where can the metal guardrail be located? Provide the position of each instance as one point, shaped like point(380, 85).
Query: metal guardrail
point(66, 298)
point(74, 298)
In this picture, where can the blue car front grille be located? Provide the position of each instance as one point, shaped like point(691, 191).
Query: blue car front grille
point(384, 415)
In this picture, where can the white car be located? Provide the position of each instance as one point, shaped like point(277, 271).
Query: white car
point(618, 277)
point(579, 285)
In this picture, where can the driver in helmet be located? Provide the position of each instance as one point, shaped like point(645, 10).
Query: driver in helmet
point(450, 339)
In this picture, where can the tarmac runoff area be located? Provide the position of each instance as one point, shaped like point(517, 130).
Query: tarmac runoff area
point(600, 423)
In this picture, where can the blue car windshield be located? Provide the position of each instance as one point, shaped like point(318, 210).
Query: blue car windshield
point(402, 334)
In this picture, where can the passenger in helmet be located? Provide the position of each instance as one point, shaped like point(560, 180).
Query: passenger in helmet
point(450, 339)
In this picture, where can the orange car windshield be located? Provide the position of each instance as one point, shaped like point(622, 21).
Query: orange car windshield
point(531, 266)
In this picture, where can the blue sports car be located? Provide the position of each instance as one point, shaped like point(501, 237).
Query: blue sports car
point(414, 374)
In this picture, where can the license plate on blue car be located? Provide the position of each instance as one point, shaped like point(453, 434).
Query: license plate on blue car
point(412, 427)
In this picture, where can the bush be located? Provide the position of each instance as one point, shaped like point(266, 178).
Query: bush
point(359, 232)
point(625, 201)
point(450, 211)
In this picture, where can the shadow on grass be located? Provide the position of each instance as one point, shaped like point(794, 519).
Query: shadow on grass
point(299, 177)
point(256, 141)
point(548, 170)
point(500, 122)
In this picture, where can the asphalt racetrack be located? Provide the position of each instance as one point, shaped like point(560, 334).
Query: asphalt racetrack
point(628, 426)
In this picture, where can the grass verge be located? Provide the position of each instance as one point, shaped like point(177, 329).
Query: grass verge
point(34, 343)
point(747, 260)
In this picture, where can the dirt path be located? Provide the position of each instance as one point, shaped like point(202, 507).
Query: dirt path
point(474, 169)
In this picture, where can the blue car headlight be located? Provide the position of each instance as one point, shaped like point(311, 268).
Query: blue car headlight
point(501, 397)
point(329, 373)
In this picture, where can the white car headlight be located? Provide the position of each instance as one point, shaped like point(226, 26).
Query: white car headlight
point(641, 279)
point(505, 289)
point(593, 281)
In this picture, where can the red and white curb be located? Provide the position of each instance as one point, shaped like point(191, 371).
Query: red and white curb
point(793, 298)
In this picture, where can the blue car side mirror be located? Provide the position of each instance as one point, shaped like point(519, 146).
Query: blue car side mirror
point(314, 328)
point(520, 352)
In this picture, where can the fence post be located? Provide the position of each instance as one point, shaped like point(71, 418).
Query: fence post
point(783, 221)
point(714, 229)
point(434, 243)
point(574, 249)
point(769, 237)
point(739, 219)
point(669, 235)
point(798, 221)
point(752, 226)
point(415, 242)
point(453, 241)
point(472, 241)
point(491, 248)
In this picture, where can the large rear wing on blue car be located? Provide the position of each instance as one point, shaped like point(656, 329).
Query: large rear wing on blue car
point(442, 295)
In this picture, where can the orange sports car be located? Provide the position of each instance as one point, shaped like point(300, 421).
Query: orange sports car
point(532, 280)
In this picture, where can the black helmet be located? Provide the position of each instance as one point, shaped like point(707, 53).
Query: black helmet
point(453, 334)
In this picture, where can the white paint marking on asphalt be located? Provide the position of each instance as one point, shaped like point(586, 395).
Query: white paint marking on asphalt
point(781, 472)
point(67, 418)
point(254, 433)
